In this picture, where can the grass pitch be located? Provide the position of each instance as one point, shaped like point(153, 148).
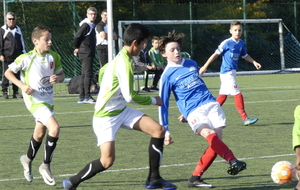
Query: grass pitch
point(271, 98)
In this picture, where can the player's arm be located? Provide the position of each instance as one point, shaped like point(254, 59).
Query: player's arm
point(1, 45)
point(163, 111)
point(79, 36)
point(251, 60)
point(124, 73)
point(10, 75)
point(213, 57)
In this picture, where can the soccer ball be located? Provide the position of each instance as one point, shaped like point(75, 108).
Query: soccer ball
point(283, 172)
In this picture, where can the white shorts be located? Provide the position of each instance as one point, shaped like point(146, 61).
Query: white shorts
point(228, 83)
point(106, 128)
point(210, 113)
point(43, 114)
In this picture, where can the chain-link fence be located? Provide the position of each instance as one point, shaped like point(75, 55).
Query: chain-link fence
point(63, 18)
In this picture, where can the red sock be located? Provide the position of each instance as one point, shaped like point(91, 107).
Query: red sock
point(219, 147)
point(221, 99)
point(205, 161)
point(239, 104)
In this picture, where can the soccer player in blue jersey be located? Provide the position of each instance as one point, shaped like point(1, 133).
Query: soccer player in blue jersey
point(197, 106)
point(231, 49)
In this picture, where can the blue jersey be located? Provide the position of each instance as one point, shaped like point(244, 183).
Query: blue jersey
point(188, 88)
point(231, 51)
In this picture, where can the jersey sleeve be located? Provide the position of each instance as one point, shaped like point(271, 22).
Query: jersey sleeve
point(244, 50)
point(222, 47)
point(100, 27)
point(164, 93)
point(82, 31)
point(124, 72)
point(19, 64)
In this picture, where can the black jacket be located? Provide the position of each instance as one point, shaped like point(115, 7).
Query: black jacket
point(11, 46)
point(85, 39)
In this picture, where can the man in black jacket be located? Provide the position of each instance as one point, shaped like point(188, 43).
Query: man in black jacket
point(85, 47)
point(11, 46)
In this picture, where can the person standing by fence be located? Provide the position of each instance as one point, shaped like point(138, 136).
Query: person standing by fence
point(11, 46)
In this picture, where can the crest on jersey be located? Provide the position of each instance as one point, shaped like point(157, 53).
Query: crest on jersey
point(192, 68)
point(51, 65)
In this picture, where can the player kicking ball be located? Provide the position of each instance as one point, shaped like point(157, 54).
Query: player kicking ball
point(197, 106)
point(111, 114)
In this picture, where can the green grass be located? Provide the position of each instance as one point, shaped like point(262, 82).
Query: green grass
point(271, 98)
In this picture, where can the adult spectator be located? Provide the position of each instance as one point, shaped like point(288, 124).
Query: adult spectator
point(11, 46)
point(101, 35)
point(85, 47)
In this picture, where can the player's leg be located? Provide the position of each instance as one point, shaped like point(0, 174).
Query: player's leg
point(157, 132)
point(296, 143)
point(105, 130)
point(87, 80)
point(46, 118)
point(239, 104)
point(81, 82)
point(96, 166)
point(157, 75)
point(34, 145)
point(5, 81)
point(221, 99)
point(146, 76)
point(210, 127)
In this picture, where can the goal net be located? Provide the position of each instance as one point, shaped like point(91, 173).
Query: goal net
point(268, 41)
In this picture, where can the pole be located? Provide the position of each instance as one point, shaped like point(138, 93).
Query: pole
point(4, 10)
point(110, 45)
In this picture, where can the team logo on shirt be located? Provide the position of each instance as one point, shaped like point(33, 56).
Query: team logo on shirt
point(192, 68)
point(45, 80)
point(51, 65)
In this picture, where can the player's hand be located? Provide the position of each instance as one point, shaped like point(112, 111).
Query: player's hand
point(27, 89)
point(149, 67)
point(53, 79)
point(202, 70)
point(168, 140)
point(2, 58)
point(76, 52)
point(182, 119)
point(158, 101)
point(257, 65)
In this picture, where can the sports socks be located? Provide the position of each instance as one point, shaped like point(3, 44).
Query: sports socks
point(204, 162)
point(216, 146)
point(239, 104)
point(219, 147)
point(221, 99)
point(87, 172)
point(49, 148)
point(155, 156)
point(33, 148)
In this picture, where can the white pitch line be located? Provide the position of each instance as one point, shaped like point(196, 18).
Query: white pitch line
point(143, 108)
point(163, 166)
